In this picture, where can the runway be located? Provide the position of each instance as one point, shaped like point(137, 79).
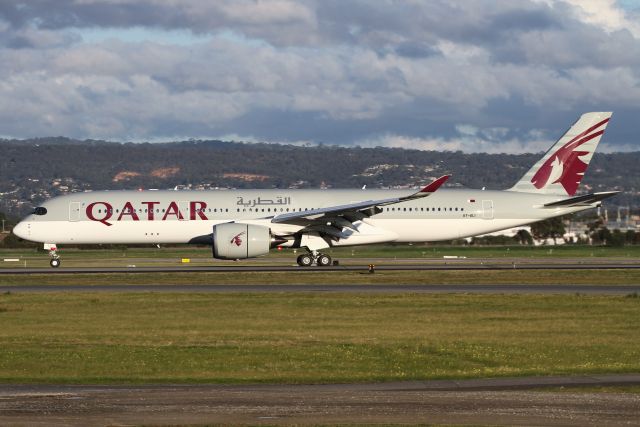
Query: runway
point(503, 401)
point(521, 289)
point(290, 268)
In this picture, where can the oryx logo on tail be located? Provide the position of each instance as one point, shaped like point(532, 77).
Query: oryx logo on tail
point(565, 166)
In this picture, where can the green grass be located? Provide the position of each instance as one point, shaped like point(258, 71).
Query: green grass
point(310, 338)
point(426, 277)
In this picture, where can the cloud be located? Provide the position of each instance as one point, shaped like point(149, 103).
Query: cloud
point(606, 14)
point(473, 140)
point(470, 139)
point(478, 76)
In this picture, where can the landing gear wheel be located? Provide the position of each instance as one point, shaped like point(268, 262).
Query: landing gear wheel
point(305, 260)
point(323, 260)
point(55, 262)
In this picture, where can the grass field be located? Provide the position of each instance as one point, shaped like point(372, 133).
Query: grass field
point(431, 277)
point(301, 338)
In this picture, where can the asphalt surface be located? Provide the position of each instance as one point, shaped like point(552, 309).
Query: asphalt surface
point(365, 289)
point(285, 268)
point(505, 401)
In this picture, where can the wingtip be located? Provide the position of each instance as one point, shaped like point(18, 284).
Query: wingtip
point(437, 183)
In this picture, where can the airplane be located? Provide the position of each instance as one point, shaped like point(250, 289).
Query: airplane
point(240, 224)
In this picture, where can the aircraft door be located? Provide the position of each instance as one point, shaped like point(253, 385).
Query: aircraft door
point(74, 211)
point(487, 209)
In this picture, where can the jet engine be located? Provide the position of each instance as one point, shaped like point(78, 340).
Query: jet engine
point(235, 240)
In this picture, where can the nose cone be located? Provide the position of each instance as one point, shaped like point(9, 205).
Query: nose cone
point(21, 230)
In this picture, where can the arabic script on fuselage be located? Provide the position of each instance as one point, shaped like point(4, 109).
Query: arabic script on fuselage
point(259, 201)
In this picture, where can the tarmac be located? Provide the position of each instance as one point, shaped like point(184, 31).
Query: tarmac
point(551, 401)
point(386, 265)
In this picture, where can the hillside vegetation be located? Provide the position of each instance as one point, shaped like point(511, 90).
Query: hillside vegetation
point(34, 170)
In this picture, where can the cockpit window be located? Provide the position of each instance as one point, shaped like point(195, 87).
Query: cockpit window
point(39, 211)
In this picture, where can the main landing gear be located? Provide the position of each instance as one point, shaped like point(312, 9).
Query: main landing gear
point(53, 253)
point(308, 259)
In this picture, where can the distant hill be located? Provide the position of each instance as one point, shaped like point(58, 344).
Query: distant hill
point(36, 169)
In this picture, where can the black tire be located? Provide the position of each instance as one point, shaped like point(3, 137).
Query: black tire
point(55, 262)
point(305, 260)
point(323, 260)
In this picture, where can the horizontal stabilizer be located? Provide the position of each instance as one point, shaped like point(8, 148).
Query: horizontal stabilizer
point(584, 200)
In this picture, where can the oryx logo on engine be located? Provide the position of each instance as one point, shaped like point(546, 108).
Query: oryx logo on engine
point(236, 239)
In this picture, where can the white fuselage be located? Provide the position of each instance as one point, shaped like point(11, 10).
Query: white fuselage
point(134, 217)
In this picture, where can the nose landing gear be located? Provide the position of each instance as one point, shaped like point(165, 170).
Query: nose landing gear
point(55, 258)
point(308, 259)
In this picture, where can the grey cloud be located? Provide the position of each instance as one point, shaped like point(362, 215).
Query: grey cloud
point(416, 50)
point(327, 71)
point(29, 38)
point(293, 22)
point(254, 18)
point(579, 46)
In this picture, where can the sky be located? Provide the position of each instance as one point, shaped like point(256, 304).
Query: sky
point(472, 75)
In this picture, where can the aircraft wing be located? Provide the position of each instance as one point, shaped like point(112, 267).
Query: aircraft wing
point(331, 220)
point(584, 200)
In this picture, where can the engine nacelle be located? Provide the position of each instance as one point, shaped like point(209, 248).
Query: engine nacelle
point(234, 241)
